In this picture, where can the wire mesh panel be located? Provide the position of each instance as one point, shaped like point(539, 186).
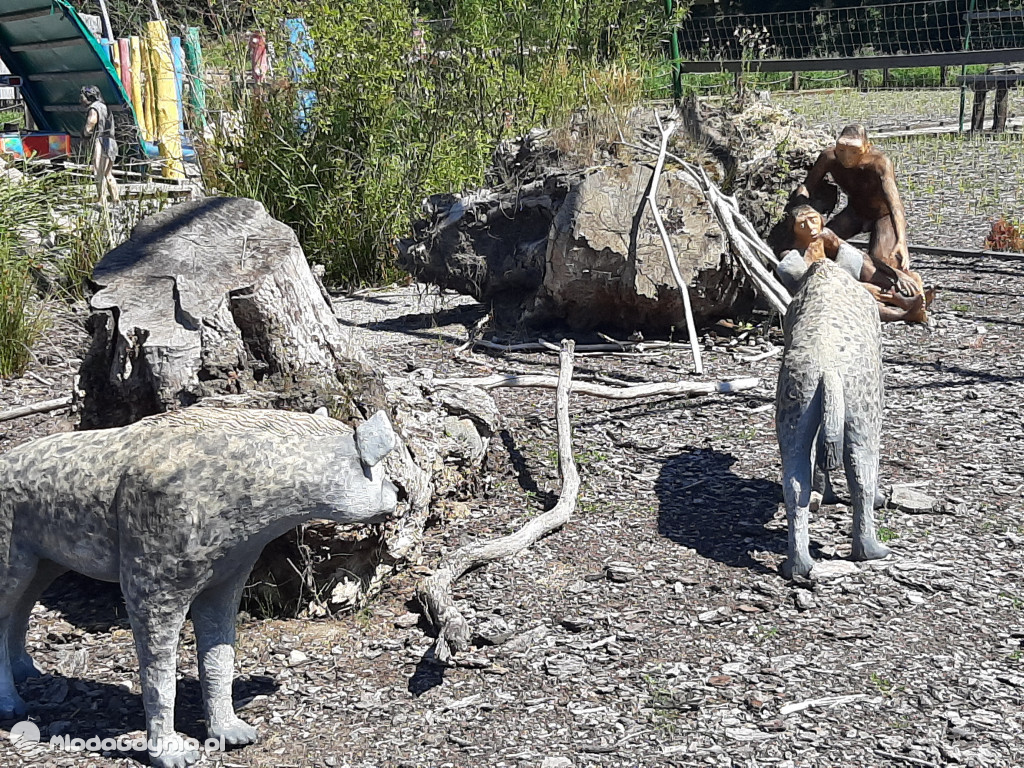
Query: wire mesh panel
point(910, 29)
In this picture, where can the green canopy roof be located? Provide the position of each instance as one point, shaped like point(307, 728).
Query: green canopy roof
point(49, 46)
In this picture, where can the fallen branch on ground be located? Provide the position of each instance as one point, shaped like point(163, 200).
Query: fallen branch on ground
point(544, 381)
point(46, 406)
point(759, 357)
point(612, 345)
point(435, 592)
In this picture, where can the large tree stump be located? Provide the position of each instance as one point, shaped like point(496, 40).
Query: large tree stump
point(211, 297)
point(567, 238)
point(213, 302)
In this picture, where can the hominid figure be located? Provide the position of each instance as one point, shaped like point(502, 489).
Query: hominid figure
point(866, 175)
point(816, 241)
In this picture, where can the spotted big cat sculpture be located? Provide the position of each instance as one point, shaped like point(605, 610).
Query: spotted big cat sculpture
point(177, 508)
point(828, 407)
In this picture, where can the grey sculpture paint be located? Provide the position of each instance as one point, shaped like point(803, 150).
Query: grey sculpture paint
point(177, 508)
point(828, 407)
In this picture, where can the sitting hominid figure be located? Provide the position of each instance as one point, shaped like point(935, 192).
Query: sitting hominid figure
point(874, 206)
point(828, 406)
point(176, 507)
point(812, 237)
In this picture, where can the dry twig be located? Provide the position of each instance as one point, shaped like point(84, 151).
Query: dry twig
point(434, 592)
point(46, 406)
point(654, 389)
point(670, 254)
point(751, 252)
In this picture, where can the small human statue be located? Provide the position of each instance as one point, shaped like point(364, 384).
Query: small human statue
point(866, 175)
point(814, 241)
point(99, 124)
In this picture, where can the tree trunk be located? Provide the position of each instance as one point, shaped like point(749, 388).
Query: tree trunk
point(213, 302)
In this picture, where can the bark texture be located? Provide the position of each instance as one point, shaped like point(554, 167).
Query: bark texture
point(212, 302)
point(562, 235)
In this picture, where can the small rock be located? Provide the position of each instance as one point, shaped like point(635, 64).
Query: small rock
point(910, 500)
point(296, 657)
point(714, 616)
point(407, 620)
point(493, 631)
point(620, 572)
point(719, 681)
point(556, 762)
point(564, 665)
point(526, 640)
point(472, 661)
point(577, 623)
point(804, 600)
point(950, 753)
point(833, 569)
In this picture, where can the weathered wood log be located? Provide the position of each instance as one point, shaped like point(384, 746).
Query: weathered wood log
point(213, 302)
point(211, 297)
point(577, 248)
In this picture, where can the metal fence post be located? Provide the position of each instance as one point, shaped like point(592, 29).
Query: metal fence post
point(677, 77)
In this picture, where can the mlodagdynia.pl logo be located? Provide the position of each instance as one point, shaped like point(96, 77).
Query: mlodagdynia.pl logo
point(25, 738)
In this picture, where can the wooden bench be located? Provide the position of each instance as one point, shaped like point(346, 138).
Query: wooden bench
point(1001, 81)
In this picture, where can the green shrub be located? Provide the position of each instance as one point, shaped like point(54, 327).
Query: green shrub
point(405, 109)
point(21, 319)
point(24, 208)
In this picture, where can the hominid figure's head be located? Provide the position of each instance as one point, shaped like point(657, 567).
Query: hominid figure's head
point(852, 145)
point(807, 223)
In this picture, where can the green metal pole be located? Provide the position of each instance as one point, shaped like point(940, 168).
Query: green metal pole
point(197, 89)
point(677, 76)
point(963, 67)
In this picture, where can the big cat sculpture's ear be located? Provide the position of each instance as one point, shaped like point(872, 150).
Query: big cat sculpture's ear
point(375, 438)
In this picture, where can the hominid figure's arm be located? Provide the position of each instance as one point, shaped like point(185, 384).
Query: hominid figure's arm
point(816, 175)
point(91, 121)
point(899, 255)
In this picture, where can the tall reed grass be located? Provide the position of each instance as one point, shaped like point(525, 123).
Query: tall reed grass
point(403, 109)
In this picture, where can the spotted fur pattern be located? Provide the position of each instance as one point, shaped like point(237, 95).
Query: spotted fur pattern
point(176, 508)
point(829, 404)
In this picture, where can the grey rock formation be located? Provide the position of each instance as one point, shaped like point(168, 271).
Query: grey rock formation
point(177, 508)
point(563, 238)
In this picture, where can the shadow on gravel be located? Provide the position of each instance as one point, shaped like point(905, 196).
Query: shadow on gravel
point(522, 471)
point(429, 674)
point(81, 708)
point(965, 376)
point(704, 505)
point(425, 324)
point(95, 606)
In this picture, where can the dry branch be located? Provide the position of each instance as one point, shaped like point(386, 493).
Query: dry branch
point(655, 389)
point(612, 345)
point(42, 407)
point(751, 252)
point(670, 254)
point(435, 591)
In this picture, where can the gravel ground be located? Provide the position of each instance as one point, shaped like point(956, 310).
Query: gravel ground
point(653, 630)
